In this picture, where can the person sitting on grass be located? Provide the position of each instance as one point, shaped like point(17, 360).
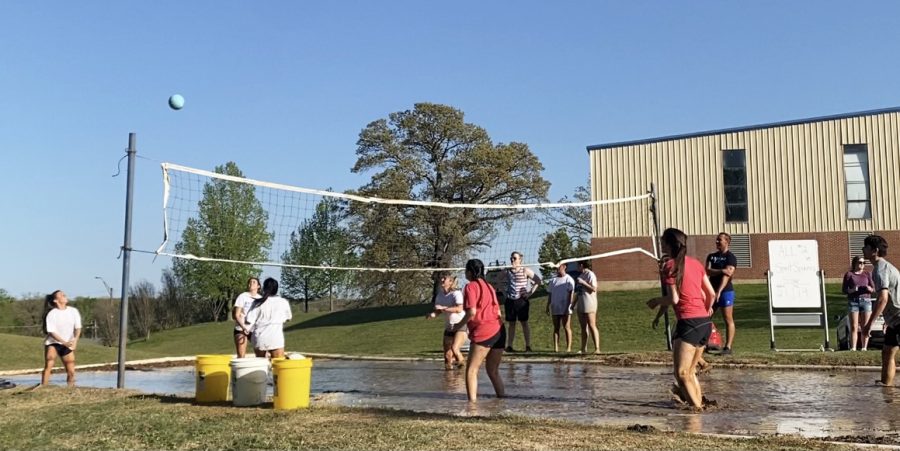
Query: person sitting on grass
point(449, 301)
point(486, 331)
point(62, 324)
point(691, 295)
point(266, 319)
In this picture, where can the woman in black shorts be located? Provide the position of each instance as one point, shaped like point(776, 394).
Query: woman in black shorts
point(691, 295)
point(486, 331)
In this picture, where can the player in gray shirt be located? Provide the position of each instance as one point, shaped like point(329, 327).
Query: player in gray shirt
point(887, 301)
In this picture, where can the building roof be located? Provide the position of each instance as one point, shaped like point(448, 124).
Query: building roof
point(742, 129)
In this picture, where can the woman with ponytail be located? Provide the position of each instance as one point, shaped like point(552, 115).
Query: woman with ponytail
point(62, 326)
point(266, 318)
point(691, 295)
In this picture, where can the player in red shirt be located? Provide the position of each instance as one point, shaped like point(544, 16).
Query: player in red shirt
point(486, 331)
point(691, 295)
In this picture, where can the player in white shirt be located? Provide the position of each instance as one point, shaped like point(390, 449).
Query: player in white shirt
point(265, 319)
point(449, 301)
point(559, 304)
point(62, 324)
point(241, 306)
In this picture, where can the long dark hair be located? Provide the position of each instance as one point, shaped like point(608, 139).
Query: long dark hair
point(49, 304)
point(476, 268)
point(676, 240)
point(269, 288)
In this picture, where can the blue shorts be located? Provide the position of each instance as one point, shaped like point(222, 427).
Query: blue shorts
point(856, 305)
point(726, 299)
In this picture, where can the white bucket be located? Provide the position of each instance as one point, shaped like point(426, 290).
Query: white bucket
point(248, 381)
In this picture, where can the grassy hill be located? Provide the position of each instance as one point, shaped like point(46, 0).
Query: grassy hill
point(624, 323)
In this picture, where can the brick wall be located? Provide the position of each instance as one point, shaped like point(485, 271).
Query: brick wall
point(638, 270)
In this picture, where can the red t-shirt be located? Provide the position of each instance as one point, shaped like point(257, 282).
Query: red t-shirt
point(486, 322)
point(691, 303)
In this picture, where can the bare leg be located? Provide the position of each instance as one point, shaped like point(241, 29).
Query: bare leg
point(512, 333)
point(888, 365)
point(493, 370)
point(557, 319)
point(448, 352)
point(567, 325)
point(240, 344)
point(49, 360)
point(728, 314)
point(69, 362)
point(863, 319)
point(854, 329)
point(458, 339)
point(583, 325)
point(477, 354)
point(684, 356)
point(527, 332)
point(592, 328)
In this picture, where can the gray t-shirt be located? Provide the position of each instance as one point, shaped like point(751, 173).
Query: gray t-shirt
point(886, 277)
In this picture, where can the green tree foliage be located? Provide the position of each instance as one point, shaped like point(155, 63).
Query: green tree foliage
point(321, 240)
point(430, 153)
point(5, 296)
point(231, 224)
point(558, 246)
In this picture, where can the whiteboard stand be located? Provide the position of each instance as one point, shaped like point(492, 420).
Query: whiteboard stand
point(800, 319)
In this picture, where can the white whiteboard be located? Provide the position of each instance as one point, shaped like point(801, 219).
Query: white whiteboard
point(794, 274)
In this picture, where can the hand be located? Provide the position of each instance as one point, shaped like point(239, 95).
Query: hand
point(654, 302)
point(866, 329)
point(430, 315)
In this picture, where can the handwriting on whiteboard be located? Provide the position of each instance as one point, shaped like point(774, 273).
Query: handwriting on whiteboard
point(794, 267)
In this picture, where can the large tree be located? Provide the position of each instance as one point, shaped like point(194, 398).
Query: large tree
point(430, 153)
point(231, 224)
point(322, 240)
point(576, 221)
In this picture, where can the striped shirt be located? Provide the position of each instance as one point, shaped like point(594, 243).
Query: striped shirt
point(516, 283)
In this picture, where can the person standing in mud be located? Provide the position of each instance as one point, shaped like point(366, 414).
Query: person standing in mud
point(691, 295)
point(887, 301)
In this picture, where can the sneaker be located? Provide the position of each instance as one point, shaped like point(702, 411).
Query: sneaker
point(528, 349)
point(863, 349)
point(510, 349)
point(726, 351)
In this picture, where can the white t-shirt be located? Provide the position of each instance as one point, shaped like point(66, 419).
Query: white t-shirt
point(451, 299)
point(266, 323)
point(63, 323)
point(244, 301)
point(560, 295)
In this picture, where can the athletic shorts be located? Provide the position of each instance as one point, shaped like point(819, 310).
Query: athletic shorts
point(61, 350)
point(856, 305)
point(241, 332)
point(694, 331)
point(517, 309)
point(890, 337)
point(498, 341)
point(726, 299)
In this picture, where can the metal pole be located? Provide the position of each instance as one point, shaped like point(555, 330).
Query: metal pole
point(771, 317)
point(126, 261)
point(662, 286)
point(825, 309)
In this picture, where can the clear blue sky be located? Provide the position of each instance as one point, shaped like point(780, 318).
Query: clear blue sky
point(283, 89)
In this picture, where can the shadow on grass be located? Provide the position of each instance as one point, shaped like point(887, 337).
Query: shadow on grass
point(363, 316)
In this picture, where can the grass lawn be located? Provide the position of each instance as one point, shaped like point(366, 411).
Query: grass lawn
point(624, 323)
point(54, 418)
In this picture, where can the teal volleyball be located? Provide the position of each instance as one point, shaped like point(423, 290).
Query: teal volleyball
point(176, 102)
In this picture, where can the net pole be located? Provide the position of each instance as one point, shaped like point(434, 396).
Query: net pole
point(662, 286)
point(126, 261)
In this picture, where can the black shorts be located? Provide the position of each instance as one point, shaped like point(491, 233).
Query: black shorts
point(517, 309)
point(890, 337)
point(498, 341)
point(694, 331)
point(61, 350)
point(240, 332)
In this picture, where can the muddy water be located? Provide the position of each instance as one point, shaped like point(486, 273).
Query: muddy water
point(809, 403)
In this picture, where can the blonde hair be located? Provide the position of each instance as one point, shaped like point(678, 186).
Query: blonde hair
point(454, 286)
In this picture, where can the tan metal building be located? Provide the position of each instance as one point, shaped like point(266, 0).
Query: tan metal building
point(835, 179)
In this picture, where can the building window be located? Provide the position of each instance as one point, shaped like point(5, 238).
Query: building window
point(856, 172)
point(734, 175)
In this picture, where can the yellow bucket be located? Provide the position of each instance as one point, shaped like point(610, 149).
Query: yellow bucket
point(292, 381)
point(213, 378)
